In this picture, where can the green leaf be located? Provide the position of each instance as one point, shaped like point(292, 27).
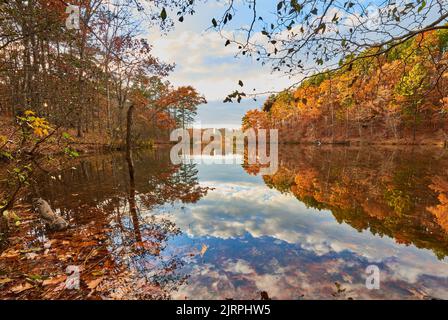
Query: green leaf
point(241, 83)
point(423, 5)
point(214, 22)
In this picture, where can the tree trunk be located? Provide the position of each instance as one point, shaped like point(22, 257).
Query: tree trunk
point(129, 134)
point(132, 201)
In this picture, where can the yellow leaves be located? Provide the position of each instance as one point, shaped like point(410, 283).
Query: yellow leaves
point(40, 133)
point(3, 139)
point(40, 126)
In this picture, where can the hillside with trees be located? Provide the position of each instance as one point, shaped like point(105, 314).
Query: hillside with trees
point(397, 97)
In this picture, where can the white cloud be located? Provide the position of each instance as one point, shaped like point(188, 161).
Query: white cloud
point(203, 61)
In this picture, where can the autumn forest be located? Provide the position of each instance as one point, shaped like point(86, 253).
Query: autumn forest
point(397, 97)
point(106, 193)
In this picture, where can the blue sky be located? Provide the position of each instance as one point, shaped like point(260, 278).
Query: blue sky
point(204, 62)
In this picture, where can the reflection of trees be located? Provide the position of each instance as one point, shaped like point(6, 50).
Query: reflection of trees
point(102, 181)
point(398, 193)
point(178, 184)
point(125, 192)
point(440, 185)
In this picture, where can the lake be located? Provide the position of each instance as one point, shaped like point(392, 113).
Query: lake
point(213, 231)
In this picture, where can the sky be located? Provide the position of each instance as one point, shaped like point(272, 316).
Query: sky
point(204, 62)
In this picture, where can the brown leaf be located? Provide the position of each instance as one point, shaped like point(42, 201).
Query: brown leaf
point(10, 254)
point(88, 244)
point(5, 280)
point(21, 287)
point(203, 250)
point(54, 281)
point(94, 283)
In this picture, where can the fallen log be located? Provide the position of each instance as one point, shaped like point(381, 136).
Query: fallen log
point(52, 219)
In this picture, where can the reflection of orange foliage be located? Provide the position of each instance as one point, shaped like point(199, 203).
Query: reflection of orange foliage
point(445, 104)
point(307, 184)
point(367, 192)
point(341, 194)
point(402, 238)
point(440, 185)
point(306, 180)
point(252, 169)
point(376, 209)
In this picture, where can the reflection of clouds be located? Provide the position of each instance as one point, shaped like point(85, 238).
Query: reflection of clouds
point(292, 250)
point(235, 209)
point(240, 266)
point(242, 276)
point(231, 210)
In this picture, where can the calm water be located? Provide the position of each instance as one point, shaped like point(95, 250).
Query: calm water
point(308, 232)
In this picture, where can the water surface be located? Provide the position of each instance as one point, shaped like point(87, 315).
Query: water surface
point(307, 232)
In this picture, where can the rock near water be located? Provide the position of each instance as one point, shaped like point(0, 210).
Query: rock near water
point(52, 219)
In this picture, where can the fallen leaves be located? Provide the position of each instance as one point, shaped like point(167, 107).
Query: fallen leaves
point(31, 255)
point(10, 254)
point(88, 244)
point(21, 287)
point(5, 280)
point(54, 281)
point(34, 268)
point(65, 257)
point(97, 273)
point(94, 283)
point(47, 245)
